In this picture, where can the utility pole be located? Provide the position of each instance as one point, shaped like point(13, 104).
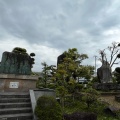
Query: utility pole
point(95, 63)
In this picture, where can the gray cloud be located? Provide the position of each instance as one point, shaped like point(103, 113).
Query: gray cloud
point(60, 25)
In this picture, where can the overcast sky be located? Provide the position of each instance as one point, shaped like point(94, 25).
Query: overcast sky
point(50, 27)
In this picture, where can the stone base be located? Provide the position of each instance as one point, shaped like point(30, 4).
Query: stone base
point(17, 83)
point(106, 86)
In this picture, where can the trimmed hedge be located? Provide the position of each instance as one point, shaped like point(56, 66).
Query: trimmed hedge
point(48, 109)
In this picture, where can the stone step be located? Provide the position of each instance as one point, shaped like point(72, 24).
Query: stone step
point(14, 100)
point(9, 111)
point(14, 105)
point(14, 95)
point(21, 116)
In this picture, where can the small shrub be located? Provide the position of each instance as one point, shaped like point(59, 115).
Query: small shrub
point(48, 109)
point(90, 96)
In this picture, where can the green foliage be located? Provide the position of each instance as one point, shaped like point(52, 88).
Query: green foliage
point(40, 83)
point(118, 56)
point(51, 86)
point(117, 70)
point(19, 50)
point(32, 59)
point(79, 87)
point(74, 87)
point(32, 54)
point(71, 86)
point(48, 109)
point(61, 91)
point(67, 72)
point(85, 71)
point(80, 105)
point(45, 76)
point(107, 117)
point(97, 107)
point(71, 65)
point(95, 79)
point(90, 96)
point(70, 69)
point(117, 74)
point(74, 106)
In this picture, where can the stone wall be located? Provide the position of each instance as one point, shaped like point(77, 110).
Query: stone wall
point(47, 92)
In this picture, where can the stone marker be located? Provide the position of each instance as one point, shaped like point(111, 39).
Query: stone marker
point(15, 71)
point(104, 73)
point(14, 63)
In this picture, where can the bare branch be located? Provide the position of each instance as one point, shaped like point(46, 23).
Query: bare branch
point(113, 62)
point(112, 51)
point(102, 53)
point(116, 63)
point(115, 52)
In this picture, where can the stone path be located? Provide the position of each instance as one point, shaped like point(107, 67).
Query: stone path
point(110, 100)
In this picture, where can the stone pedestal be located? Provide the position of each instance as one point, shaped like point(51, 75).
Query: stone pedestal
point(106, 86)
point(17, 83)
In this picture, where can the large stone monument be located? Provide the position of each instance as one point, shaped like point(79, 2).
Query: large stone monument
point(104, 73)
point(105, 78)
point(60, 58)
point(15, 71)
point(15, 63)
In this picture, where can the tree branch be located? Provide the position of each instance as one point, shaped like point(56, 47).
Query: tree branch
point(113, 62)
point(112, 55)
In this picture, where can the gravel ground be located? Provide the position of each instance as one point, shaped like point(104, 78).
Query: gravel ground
point(110, 100)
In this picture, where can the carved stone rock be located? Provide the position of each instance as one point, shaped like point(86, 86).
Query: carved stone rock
point(104, 73)
point(14, 63)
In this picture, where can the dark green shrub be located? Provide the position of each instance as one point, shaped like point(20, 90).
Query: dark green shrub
point(95, 79)
point(80, 116)
point(48, 109)
point(19, 50)
point(32, 54)
point(117, 69)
